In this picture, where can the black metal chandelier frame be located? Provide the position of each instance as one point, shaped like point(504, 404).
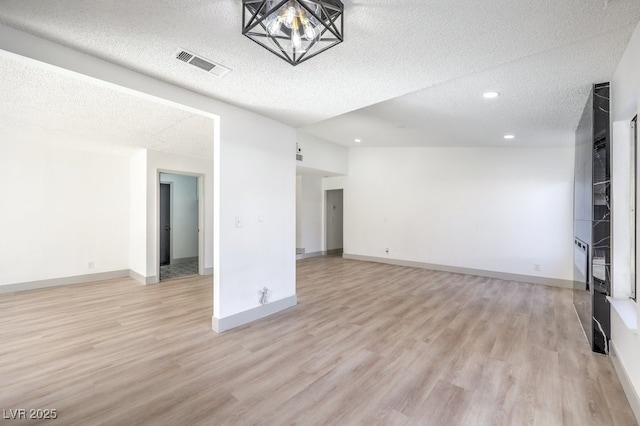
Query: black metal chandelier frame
point(254, 13)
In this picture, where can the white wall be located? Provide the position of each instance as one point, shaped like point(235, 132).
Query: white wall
point(492, 209)
point(61, 209)
point(336, 182)
point(621, 208)
point(255, 169)
point(322, 155)
point(184, 215)
point(254, 165)
point(320, 158)
point(624, 106)
point(625, 92)
point(309, 214)
point(138, 214)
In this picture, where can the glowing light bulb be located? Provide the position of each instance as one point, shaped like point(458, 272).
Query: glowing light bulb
point(309, 32)
point(318, 30)
point(290, 16)
point(274, 26)
point(296, 40)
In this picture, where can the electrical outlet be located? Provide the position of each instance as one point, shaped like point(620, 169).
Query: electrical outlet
point(536, 267)
point(90, 265)
point(264, 293)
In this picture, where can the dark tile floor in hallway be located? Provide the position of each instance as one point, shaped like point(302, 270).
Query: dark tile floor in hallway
point(178, 270)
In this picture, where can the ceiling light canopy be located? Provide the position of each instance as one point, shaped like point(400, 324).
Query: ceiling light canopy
point(295, 30)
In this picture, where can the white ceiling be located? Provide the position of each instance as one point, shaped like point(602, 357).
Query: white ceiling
point(409, 73)
point(41, 104)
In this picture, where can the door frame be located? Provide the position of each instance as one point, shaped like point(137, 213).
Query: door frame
point(160, 183)
point(201, 223)
point(326, 221)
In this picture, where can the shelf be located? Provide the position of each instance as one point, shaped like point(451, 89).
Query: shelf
point(626, 310)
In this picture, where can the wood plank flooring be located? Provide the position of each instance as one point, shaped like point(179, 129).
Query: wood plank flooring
point(368, 344)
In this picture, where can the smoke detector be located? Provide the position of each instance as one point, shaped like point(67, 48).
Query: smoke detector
point(204, 64)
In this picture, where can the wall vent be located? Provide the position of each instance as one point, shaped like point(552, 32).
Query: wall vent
point(202, 63)
point(299, 157)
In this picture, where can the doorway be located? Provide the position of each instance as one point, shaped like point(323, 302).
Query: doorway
point(179, 219)
point(165, 224)
point(334, 221)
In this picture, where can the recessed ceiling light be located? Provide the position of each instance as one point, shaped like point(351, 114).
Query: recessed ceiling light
point(357, 140)
point(491, 95)
point(509, 136)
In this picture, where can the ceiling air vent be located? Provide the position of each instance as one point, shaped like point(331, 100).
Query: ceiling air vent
point(202, 63)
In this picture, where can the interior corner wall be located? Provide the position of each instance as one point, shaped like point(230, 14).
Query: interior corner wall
point(309, 214)
point(184, 215)
point(61, 209)
point(491, 209)
point(138, 214)
point(625, 94)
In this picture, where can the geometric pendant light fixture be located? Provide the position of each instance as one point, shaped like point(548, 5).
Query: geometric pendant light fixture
point(295, 30)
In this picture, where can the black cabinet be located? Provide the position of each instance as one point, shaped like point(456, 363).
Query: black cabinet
point(601, 228)
point(592, 220)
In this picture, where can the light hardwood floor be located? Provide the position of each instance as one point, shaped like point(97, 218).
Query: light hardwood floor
point(367, 344)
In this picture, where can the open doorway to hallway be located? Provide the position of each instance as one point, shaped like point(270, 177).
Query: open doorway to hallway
point(319, 217)
point(179, 224)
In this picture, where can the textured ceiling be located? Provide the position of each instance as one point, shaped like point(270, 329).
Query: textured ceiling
point(39, 105)
point(409, 72)
point(542, 99)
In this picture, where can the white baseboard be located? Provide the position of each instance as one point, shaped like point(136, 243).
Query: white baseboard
point(142, 279)
point(551, 282)
point(56, 282)
point(629, 390)
point(318, 254)
point(154, 279)
point(584, 332)
point(220, 325)
point(310, 255)
point(83, 279)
